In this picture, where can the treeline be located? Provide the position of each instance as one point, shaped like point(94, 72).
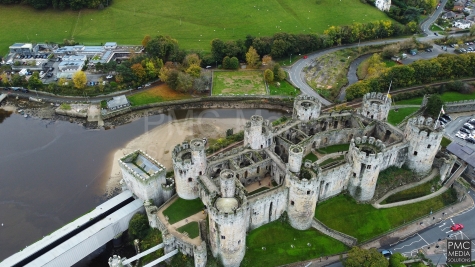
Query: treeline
point(444, 67)
point(61, 4)
point(284, 44)
point(406, 11)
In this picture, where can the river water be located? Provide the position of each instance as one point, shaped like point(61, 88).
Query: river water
point(53, 172)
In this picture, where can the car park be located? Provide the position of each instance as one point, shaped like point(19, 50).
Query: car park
point(461, 135)
point(470, 140)
point(471, 121)
point(442, 120)
point(447, 117)
point(457, 227)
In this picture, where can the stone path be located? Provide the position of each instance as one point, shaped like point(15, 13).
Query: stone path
point(404, 187)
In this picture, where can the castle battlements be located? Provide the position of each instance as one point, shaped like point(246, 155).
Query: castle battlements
point(375, 106)
point(379, 97)
point(367, 148)
point(423, 127)
point(141, 166)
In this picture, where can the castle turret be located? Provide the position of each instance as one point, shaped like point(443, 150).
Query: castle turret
point(303, 197)
point(228, 219)
point(117, 261)
point(144, 176)
point(257, 133)
point(306, 108)
point(376, 106)
point(424, 142)
point(189, 162)
point(295, 158)
point(200, 255)
point(366, 155)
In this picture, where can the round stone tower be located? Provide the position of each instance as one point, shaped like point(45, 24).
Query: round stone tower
point(228, 219)
point(116, 261)
point(257, 133)
point(189, 162)
point(424, 143)
point(306, 108)
point(200, 255)
point(303, 196)
point(366, 155)
point(227, 184)
point(295, 158)
point(376, 106)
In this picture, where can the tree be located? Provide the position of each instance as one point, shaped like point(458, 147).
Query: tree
point(145, 40)
point(434, 104)
point(138, 226)
point(281, 75)
point(266, 60)
point(375, 66)
point(269, 75)
point(217, 49)
point(390, 50)
point(472, 30)
point(234, 63)
point(35, 82)
point(163, 47)
point(194, 70)
point(139, 71)
point(184, 82)
point(79, 79)
point(252, 58)
point(358, 257)
point(226, 62)
point(396, 260)
point(191, 59)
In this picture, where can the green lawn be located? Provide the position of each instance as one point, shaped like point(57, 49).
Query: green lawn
point(445, 142)
point(193, 23)
point(435, 28)
point(181, 209)
point(284, 89)
point(333, 149)
point(446, 97)
point(156, 94)
point(312, 157)
point(328, 161)
point(389, 63)
point(277, 238)
point(396, 117)
point(191, 228)
point(364, 222)
point(415, 192)
point(238, 83)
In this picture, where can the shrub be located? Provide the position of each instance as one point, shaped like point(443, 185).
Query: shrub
point(138, 226)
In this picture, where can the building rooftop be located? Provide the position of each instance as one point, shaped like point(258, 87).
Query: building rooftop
point(465, 153)
point(21, 45)
point(143, 166)
point(117, 102)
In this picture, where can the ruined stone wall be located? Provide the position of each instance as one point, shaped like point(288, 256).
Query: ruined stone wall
point(459, 106)
point(375, 105)
point(334, 180)
point(266, 207)
point(306, 108)
point(189, 162)
point(257, 133)
point(303, 196)
point(295, 158)
point(424, 142)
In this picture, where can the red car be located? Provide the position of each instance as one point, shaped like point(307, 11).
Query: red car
point(457, 227)
point(305, 57)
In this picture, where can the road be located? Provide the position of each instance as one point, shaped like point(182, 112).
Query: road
point(427, 238)
point(296, 71)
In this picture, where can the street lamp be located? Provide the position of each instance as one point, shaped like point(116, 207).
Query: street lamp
point(290, 58)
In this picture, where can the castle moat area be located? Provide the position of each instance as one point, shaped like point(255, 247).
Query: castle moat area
point(52, 172)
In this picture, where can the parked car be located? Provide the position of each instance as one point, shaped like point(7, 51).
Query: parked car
point(461, 135)
point(463, 130)
point(428, 50)
point(447, 117)
point(436, 34)
point(457, 227)
point(470, 140)
point(468, 126)
point(109, 76)
point(442, 120)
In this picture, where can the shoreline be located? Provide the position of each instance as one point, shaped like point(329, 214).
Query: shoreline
point(160, 141)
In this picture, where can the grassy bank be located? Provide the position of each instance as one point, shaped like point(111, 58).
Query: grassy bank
point(193, 23)
point(181, 209)
point(446, 97)
point(278, 238)
point(364, 222)
point(156, 94)
point(284, 89)
point(333, 149)
point(415, 192)
point(395, 117)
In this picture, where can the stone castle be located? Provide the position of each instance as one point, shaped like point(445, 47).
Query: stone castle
point(273, 157)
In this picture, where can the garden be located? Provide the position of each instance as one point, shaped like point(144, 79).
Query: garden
point(238, 83)
point(156, 94)
point(181, 209)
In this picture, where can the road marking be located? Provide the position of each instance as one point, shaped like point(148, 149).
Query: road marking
point(409, 244)
point(448, 231)
point(423, 239)
point(442, 225)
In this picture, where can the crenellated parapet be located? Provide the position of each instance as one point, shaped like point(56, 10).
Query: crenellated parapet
point(295, 158)
point(375, 106)
point(141, 174)
point(117, 261)
point(424, 142)
point(306, 108)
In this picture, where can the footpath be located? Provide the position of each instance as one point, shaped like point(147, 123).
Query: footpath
point(397, 235)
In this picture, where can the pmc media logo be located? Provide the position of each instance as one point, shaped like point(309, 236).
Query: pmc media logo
point(459, 251)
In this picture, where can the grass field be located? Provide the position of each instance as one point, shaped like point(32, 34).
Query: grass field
point(446, 97)
point(333, 149)
point(238, 83)
point(312, 157)
point(363, 221)
point(285, 89)
point(191, 228)
point(396, 117)
point(193, 23)
point(328, 161)
point(445, 142)
point(181, 209)
point(156, 94)
point(277, 238)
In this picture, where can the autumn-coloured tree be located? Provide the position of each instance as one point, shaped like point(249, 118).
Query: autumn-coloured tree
point(269, 75)
point(252, 58)
point(194, 70)
point(145, 40)
point(191, 59)
point(79, 79)
point(139, 71)
point(266, 60)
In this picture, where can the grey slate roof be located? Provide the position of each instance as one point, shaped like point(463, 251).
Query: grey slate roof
point(464, 153)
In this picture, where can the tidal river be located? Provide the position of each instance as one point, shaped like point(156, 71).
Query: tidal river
point(52, 172)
